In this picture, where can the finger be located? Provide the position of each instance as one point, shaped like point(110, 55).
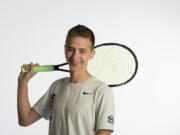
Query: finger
point(26, 67)
point(31, 67)
point(36, 64)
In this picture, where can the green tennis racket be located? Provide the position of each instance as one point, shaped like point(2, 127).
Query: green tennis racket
point(115, 64)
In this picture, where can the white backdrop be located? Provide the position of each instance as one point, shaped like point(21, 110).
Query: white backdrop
point(36, 30)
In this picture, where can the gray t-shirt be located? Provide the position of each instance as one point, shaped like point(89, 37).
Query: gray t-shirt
point(77, 108)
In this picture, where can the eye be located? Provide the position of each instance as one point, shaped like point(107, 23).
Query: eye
point(69, 49)
point(82, 51)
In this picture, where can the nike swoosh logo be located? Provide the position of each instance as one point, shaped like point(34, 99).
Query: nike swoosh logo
point(86, 93)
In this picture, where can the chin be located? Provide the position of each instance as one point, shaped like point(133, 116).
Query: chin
point(75, 69)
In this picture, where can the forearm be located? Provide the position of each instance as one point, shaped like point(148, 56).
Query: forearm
point(103, 132)
point(23, 103)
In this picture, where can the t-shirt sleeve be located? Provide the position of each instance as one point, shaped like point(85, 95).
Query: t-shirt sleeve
point(43, 105)
point(105, 109)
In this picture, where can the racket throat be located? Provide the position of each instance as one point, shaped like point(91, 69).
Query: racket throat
point(58, 68)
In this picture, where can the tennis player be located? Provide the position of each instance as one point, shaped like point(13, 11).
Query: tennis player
point(75, 105)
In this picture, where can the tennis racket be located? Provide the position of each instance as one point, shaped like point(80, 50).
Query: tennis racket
point(115, 64)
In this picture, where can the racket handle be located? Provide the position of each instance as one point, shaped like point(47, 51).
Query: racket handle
point(39, 69)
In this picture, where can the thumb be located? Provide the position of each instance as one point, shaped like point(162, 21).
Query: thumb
point(37, 64)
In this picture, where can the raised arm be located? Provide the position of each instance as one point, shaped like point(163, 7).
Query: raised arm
point(26, 114)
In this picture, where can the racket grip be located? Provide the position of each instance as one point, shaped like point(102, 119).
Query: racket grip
point(44, 68)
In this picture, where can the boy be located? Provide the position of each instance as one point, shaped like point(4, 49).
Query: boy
point(75, 105)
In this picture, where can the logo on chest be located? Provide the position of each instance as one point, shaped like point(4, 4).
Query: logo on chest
point(86, 93)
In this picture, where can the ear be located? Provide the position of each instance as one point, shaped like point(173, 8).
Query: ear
point(92, 54)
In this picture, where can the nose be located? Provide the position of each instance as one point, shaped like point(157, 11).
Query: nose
point(75, 55)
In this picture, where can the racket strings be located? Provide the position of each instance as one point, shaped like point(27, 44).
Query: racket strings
point(112, 64)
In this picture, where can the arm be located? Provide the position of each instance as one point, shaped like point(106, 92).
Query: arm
point(26, 115)
point(103, 132)
point(104, 111)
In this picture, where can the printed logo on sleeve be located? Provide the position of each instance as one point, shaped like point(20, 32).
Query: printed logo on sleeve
point(111, 119)
point(52, 104)
point(52, 100)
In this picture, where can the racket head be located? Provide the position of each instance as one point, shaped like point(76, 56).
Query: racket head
point(115, 64)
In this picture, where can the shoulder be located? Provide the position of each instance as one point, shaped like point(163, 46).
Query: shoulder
point(61, 80)
point(101, 87)
point(57, 84)
point(103, 96)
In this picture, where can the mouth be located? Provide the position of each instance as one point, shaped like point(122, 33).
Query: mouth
point(75, 63)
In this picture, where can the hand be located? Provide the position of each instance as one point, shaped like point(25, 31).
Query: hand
point(27, 76)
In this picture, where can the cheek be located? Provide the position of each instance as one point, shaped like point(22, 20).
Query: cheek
point(85, 58)
point(68, 54)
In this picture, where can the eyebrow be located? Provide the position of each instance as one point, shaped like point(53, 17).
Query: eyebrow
point(79, 48)
point(82, 49)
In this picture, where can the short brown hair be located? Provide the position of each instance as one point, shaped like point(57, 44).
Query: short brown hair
point(80, 31)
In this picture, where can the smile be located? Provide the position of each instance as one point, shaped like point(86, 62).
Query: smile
point(75, 64)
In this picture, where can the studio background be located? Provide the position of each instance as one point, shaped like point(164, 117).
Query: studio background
point(36, 31)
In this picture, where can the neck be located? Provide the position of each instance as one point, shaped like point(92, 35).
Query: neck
point(77, 77)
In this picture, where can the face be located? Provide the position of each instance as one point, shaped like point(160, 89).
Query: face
point(78, 52)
